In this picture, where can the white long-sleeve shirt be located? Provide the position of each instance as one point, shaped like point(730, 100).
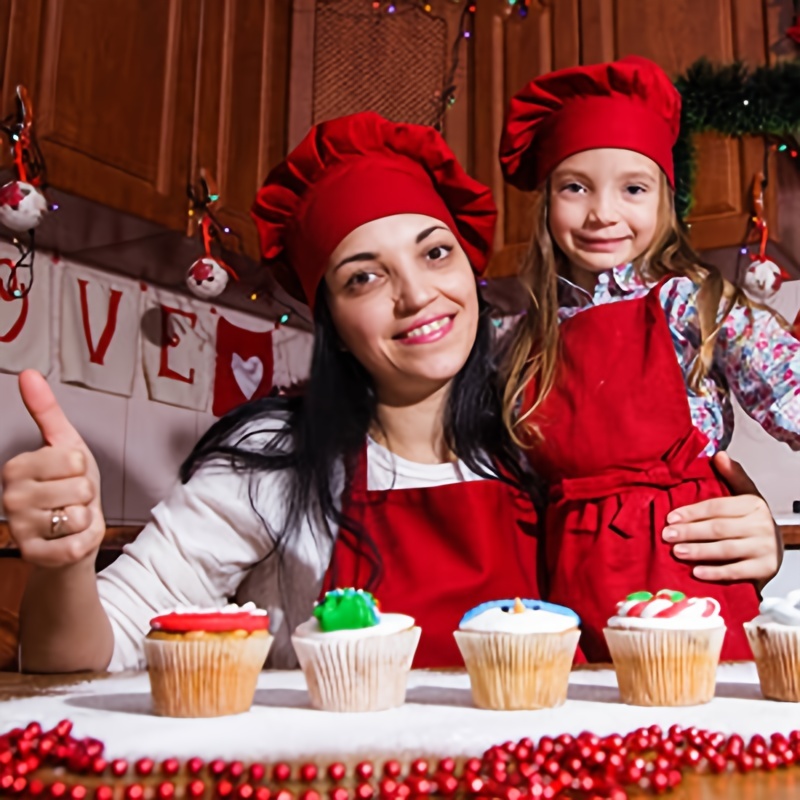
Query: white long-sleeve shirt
point(206, 544)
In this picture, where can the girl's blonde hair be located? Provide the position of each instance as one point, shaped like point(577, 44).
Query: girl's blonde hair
point(533, 353)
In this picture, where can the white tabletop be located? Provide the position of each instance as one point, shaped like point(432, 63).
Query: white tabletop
point(437, 719)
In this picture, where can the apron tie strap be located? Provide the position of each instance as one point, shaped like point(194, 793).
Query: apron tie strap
point(679, 465)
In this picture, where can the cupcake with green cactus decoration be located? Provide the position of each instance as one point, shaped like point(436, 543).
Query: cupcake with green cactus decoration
point(355, 658)
point(665, 648)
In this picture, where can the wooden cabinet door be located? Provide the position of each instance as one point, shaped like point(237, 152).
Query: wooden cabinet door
point(113, 88)
point(242, 84)
point(674, 33)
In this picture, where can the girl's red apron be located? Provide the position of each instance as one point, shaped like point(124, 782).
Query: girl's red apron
point(620, 452)
point(444, 549)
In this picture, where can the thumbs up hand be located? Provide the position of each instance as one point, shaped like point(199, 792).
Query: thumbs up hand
point(52, 495)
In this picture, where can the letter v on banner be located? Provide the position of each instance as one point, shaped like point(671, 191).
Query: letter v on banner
point(99, 329)
point(98, 354)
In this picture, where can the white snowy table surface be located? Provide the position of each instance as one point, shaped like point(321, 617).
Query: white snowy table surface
point(438, 718)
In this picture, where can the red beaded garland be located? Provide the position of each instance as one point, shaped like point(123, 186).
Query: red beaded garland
point(336, 771)
point(281, 773)
point(165, 790)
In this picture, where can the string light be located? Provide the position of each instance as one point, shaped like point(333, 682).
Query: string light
point(284, 318)
point(254, 296)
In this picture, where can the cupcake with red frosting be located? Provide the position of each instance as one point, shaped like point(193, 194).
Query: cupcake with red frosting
point(354, 657)
point(205, 662)
point(665, 648)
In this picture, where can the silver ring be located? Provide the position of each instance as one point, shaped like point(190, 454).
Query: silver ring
point(58, 519)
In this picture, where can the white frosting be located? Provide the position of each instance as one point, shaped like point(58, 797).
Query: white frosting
point(231, 608)
point(783, 611)
point(387, 625)
point(495, 620)
point(690, 618)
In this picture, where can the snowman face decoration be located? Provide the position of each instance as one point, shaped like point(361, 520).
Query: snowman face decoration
point(206, 278)
point(22, 206)
point(762, 279)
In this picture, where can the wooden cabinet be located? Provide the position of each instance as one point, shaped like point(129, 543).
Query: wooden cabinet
point(131, 98)
point(510, 50)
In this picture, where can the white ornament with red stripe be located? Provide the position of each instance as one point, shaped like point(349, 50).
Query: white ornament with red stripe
point(763, 279)
point(206, 278)
point(22, 206)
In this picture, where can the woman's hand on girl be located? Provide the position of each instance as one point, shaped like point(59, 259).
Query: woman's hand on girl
point(735, 537)
point(52, 495)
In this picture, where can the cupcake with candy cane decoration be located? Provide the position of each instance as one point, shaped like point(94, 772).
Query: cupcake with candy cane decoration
point(665, 648)
point(518, 653)
point(774, 637)
point(355, 658)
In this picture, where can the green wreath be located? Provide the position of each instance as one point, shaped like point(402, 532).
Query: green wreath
point(733, 101)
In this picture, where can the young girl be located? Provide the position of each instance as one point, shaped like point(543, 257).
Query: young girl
point(619, 377)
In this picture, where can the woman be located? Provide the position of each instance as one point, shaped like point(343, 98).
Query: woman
point(393, 472)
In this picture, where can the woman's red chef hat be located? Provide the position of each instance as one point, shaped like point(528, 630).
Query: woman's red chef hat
point(356, 169)
point(628, 104)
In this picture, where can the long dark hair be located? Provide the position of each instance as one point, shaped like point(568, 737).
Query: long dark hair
point(327, 427)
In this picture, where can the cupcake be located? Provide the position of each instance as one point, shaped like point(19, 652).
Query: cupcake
point(354, 657)
point(518, 653)
point(774, 638)
point(665, 648)
point(205, 662)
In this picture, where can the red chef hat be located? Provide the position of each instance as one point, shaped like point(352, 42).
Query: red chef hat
point(356, 169)
point(628, 104)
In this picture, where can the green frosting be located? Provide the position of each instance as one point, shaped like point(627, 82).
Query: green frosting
point(669, 594)
point(346, 609)
point(676, 597)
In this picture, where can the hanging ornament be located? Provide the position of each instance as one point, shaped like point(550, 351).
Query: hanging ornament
point(22, 204)
point(207, 278)
point(209, 275)
point(763, 277)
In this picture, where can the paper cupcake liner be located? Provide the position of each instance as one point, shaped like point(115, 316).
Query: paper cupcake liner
point(207, 677)
point(510, 671)
point(777, 655)
point(665, 667)
point(367, 674)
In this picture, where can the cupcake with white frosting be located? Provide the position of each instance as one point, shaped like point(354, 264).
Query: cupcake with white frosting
point(355, 658)
point(665, 648)
point(206, 662)
point(518, 653)
point(774, 637)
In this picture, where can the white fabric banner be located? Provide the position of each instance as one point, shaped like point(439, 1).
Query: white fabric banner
point(25, 321)
point(99, 329)
point(291, 352)
point(178, 349)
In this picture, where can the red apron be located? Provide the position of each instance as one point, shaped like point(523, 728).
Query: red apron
point(620, 452)
point(444, 549)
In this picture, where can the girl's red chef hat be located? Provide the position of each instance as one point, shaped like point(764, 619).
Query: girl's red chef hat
point(359, 168)
point(628, 104)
